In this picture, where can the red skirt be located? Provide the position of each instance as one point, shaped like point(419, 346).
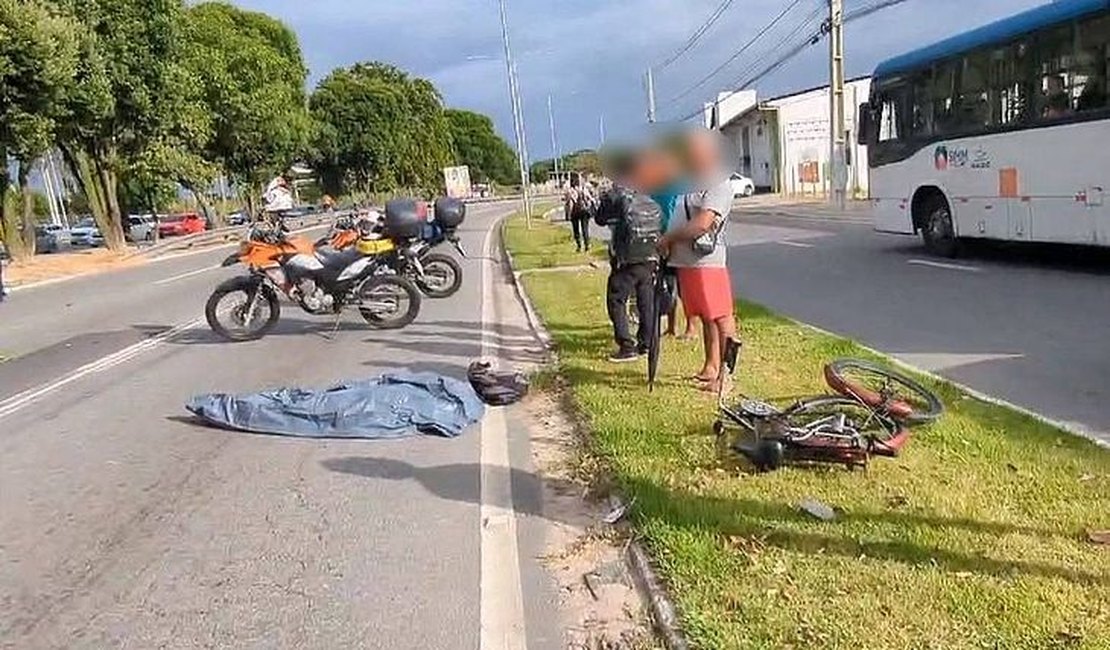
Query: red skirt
point(706, 291)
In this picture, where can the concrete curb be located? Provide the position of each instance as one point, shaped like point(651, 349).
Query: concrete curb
point(663, 613)
point(530, 314)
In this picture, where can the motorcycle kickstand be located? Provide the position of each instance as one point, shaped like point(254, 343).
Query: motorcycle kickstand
point(330, 336)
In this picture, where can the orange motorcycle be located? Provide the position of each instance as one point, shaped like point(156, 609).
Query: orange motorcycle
point(321, 280)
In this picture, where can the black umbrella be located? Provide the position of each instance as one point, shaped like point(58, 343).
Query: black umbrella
point(665, 297)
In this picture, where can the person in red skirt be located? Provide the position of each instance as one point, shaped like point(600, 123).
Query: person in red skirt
point(695, 246)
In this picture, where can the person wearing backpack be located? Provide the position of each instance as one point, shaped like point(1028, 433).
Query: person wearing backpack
point(634, 219)
point(578, 205)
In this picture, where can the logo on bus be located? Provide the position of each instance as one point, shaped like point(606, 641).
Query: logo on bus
point(940, 158)
point(959, 157)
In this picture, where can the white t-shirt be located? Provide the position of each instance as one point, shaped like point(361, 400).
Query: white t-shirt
point(277, 196)
point(717, 199)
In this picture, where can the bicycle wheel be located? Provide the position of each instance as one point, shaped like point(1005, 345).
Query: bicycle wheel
point(884, 389)
point(821, 416)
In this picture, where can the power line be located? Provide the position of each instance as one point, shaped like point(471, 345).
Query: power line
point(797, 48)
point(805, 27)
point(736, 54)
point(696, 36)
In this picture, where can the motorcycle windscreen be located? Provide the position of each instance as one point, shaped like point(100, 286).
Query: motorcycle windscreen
point(389, 406)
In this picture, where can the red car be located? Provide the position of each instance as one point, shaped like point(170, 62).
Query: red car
point(181, 224)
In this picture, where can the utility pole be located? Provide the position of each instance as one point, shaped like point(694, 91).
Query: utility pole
point(518, 118)
point(837, 126)
point(601, 130)
point(554, 140)
point(651, 96)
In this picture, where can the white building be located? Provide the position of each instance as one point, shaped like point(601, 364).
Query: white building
point(782, 143)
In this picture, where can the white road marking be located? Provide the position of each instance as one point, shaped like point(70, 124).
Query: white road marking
point(795, 244)
point(501, 606)
point(188, 274)
point(945, 265)
point(17, 402)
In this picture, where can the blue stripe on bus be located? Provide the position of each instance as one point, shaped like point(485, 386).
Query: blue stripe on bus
point(998, 32)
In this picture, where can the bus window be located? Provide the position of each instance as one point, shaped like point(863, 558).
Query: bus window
point(1011, 79)
point(974, 98)
point(921, 122)
point(1055, 63)
point(890, 112)
point(1092, 61)
point(943, 96)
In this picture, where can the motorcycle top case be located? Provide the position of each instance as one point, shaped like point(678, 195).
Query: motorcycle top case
point(449, 212)
point(405, 219)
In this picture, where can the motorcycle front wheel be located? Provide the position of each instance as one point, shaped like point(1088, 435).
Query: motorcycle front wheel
point(442, 275)
point(242, 309)
point(388, 302)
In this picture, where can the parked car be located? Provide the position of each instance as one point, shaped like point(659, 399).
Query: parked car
point(238, 219)
point(141, 227)
point(741, 185)
point(61, 234)
point(85, 233)
point(176, 225)
point(45, 241)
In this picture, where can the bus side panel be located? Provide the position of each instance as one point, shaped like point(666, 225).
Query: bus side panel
point(1038, 185)
point(890, 211)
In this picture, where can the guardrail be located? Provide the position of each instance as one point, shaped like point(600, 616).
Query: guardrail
point(227, 235)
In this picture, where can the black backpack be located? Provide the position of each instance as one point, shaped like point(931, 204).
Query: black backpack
point(636, 220)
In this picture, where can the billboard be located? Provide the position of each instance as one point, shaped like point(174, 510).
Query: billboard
point(457, 181)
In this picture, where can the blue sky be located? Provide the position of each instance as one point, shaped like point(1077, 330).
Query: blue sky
point(590, 55)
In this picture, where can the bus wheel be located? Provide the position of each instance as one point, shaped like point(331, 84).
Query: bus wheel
point(937, 231)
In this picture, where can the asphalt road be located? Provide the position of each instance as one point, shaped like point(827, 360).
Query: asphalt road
point(125, 525)
point(1028, 325)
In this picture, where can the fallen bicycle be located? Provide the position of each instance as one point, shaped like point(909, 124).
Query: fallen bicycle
point(870, 415)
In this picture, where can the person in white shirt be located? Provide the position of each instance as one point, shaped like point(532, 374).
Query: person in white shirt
point(278, 195)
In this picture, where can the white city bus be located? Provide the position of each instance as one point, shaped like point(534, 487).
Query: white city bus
point(1002, 132)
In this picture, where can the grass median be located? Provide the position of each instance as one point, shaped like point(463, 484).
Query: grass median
point(976, 537)
point(547, 245)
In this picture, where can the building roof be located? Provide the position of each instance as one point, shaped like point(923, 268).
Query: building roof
point(762, 104)
point(997, 32)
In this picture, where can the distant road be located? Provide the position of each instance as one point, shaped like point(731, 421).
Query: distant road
point(1032, 330)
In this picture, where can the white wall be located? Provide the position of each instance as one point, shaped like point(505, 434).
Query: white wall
point(750, 142)
point(804, 137)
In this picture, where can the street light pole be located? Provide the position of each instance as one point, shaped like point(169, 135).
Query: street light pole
point(554, 140)
point(518, 118)
point(651, 96)
point(837, 125)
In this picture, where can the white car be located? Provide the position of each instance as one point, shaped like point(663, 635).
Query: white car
point(84, 233)
point(741, 185)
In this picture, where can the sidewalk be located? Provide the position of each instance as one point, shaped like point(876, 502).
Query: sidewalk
point(812, 208)
point(55, 266)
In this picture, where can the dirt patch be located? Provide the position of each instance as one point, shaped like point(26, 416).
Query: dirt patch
point(61, 265)
point(584, 555)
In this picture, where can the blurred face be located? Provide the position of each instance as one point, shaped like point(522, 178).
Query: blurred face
point(652, 170)
point(703, 153)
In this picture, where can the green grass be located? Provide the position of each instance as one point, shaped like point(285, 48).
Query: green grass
point(546, 245)
point(973, 538)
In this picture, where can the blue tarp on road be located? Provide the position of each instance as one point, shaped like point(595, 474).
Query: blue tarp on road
point(390, 406)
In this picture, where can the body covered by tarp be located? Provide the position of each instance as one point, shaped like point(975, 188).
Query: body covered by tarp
point(390, 406)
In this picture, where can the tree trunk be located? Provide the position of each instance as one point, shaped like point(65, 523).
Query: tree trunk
point(27, 212)
point(112, 226)
point(81, 166)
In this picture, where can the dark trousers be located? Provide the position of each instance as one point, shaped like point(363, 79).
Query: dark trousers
point(1, 280)
point(635, 279)
point(581, 227)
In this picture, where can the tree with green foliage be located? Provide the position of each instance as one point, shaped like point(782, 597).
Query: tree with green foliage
point(252, 77)
point(38, 61)
point(133, 112)
point(479, 147)
point(585, 161)
point(377, 130)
